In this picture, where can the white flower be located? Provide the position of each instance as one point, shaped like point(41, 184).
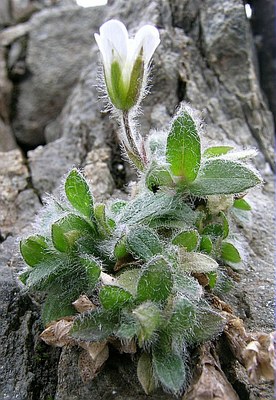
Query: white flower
point(126, 61)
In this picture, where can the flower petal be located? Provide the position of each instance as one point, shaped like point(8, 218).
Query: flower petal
point(147, 38)
point(115, 37)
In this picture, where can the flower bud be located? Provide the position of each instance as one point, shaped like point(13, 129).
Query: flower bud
point(126, 61)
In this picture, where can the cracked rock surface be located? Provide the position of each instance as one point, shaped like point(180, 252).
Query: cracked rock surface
point(49, 102)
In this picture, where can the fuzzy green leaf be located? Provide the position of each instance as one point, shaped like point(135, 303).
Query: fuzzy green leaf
point(59, 304)
point(242, 204)
point(230, 253)
point(207, 326)
point(105, 225)
point(183, 147)
point(94, 326)
point(156, 281)
point(157, 209)
point(143, 242)
point(145, 373)
point(206, 244)
point(187, 239)
point(92, 268)
point(120, 249)
point(198, 262)
point(183, 316)
point(47, 271)
point(169, 369)
point(67, 230)
point(219, 176)
point(78, 193)
point(149, 318)
point(213, 230)
point(216, 151)
point(129, 279)
point(34, 249)
point(157, 176)
point(128, 328)
point(212, 276)
point(225, 225)
point(114, 297)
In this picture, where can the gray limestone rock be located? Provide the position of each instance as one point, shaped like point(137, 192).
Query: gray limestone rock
point(58, 47)
point(18, 201)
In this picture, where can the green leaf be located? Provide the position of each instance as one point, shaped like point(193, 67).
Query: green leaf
point(208, 325)
point(47, 271)
point(128, 328)
point(169, 369)
point(78, 193)
point(145, 373)
point(142, 242)
point(149, 318)
point(212, 276)
point(153, 208)
point(183, 147)
point(183, 317)
point(206, 244)
point(225, 224)
point(198, 262)
point(242, 204)
point(223, 177)
point(213, 230)
point(92, 268)
point(230, 253)
point(114, 297)
point(94, 326)
point(187, 239)
point(155, 282)
point(67, 230)
point(157, 176)
point(185, 285)
point(58, 304)
point(128, 280)
point(216, 151)
point(34, 249)
point(120, 249)
point(118, 206)
point(104, 227)
point(23, 277)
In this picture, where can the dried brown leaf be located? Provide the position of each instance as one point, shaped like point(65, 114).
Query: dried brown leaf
point(90, 368)
point(57, 333)
point(83, 304)
point(93, 349)
point(221, 305)
point(210, 381)
point(258, 358)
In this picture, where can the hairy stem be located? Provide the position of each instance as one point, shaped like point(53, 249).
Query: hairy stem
point(131, 145)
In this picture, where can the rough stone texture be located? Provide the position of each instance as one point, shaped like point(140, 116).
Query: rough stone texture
point(58, 47)
point(19, 202)
point(111, 384)
point(27, 365)
point(205, 58)
point(263, 24)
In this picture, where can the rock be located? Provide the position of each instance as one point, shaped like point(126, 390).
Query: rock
point(27, 364)
point(18, 202)
point(98, 173)
point(7, 141)
point(50, 163)
point(110, 384)
point(5, 16)
point(58, 40)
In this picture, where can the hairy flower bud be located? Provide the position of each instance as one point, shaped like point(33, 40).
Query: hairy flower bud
point(126, 61)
